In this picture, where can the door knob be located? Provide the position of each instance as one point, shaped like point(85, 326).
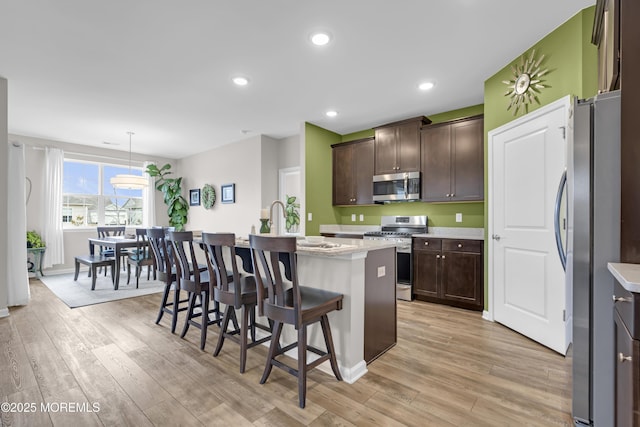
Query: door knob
point(619, 299)
point(496, 237)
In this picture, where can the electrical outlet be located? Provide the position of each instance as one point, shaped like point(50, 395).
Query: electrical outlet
point(381, 271)
point(309, 216)
point(458, 217)
point(361, 217)
point(353, 217)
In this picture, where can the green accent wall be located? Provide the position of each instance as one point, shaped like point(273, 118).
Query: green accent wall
point(318, 172)
point(573, 70)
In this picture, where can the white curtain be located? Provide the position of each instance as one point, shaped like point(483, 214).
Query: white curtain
point(52, 211)
point(17, 276)
point(149, 200)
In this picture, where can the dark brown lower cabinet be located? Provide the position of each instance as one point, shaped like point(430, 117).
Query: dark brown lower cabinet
point(627, 357)
point(449, 271)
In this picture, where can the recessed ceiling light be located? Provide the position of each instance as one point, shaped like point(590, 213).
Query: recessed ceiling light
point(331, 113)
point(240, 81)
point(320, 38)
point(426, 86)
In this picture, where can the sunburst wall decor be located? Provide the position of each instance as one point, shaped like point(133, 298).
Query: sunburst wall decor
point(526, 84)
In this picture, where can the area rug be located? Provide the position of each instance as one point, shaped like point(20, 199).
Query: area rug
point(78, 293)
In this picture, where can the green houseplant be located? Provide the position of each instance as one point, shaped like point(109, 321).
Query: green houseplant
point(171, 188)
point(34, 240)
point(292, 214)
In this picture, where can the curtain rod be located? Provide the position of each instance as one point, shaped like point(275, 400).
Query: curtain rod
point(74, 153)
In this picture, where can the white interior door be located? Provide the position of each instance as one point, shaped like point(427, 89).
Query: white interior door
point(527, 160)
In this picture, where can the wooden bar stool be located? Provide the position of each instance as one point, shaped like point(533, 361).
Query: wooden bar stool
point(165, 267)
point(237, 293)
point(298, 305)
point(196, 283)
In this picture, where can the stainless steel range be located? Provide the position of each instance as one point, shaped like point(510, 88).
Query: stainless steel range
point(400, 229)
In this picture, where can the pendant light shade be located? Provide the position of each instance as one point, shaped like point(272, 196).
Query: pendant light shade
point(127, 181)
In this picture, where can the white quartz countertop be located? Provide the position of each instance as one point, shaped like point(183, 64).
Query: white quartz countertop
point(333, 246)
point(453, 233)
point(627, 274)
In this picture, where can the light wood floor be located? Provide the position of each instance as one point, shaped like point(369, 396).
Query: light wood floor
point(449, 367)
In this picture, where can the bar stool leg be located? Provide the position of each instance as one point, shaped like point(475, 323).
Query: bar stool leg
point(273, 347)
point(302, 365)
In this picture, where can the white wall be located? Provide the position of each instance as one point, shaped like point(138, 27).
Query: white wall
point(75, 240)
point(237, 163)
point(252, 164)
point(4, 182)
point(289, 152)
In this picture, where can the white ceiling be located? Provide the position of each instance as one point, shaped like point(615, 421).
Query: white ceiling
point(89, 71)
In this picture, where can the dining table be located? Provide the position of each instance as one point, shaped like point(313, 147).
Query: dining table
point(118, 244)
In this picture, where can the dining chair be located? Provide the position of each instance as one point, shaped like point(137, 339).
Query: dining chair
point(195, 283)
point(141, 256)
point(296, 305)
point(236, 292)
point(166, 270)
point(108, 231)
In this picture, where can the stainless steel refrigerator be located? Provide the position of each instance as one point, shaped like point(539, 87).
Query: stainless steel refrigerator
point(593, 203)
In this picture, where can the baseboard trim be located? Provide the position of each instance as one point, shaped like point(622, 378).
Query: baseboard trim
point(4, 312)
point(487, 315)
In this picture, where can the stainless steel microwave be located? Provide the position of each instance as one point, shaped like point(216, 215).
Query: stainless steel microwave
point(396, 187)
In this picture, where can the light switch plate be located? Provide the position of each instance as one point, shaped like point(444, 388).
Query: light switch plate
point(353, 217)
point(361, 217)
point(382, 271)
point(458, 217)
point(309, 216)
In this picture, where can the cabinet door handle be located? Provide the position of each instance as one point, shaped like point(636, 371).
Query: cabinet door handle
point(459, 245)
point(437, 256)
point(447, 195)
point(619, 299)
point(453, 194)
point(623, 358)
point(443, 257)
point(426, 243)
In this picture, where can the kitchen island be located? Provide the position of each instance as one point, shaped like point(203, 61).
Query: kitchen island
point(364, 271)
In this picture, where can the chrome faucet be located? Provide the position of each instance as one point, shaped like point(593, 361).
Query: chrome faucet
point(284, 214)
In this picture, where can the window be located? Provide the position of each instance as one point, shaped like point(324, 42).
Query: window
point(89, 199)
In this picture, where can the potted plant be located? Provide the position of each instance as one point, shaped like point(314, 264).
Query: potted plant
point(171, 188)
point(34, 240)
point(292, 215)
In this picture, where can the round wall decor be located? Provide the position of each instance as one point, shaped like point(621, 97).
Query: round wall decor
point(526, 84)
point(208, 196)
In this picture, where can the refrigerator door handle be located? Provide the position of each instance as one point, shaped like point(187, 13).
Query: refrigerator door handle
point(556, 220)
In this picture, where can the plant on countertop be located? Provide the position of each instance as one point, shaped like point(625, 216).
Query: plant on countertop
point(292, 214)
point(34, 240)
point(171, 188)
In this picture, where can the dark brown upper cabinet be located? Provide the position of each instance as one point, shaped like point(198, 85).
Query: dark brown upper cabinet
point(453, 161)
point(397, 146)
point(353, 172)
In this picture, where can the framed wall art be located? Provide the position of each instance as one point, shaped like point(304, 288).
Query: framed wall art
point(194, 197)
point(228, 193)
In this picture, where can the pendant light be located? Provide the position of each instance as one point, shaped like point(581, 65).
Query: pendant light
point(129, 181)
